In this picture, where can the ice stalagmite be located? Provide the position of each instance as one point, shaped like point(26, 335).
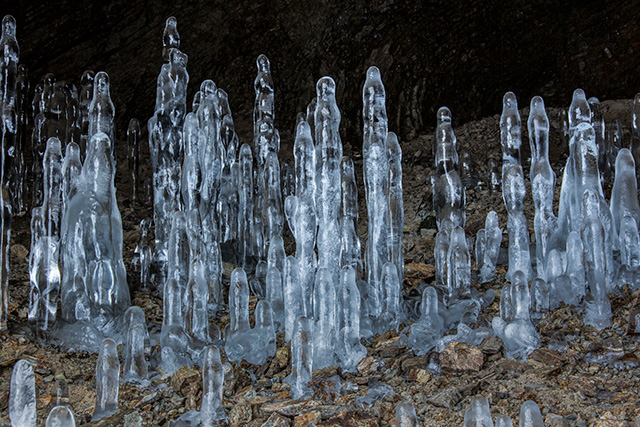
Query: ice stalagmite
point(272, 213)
point(22, 395)
point(598, 307)
point(211, 409)
point(406, 414)
point(635, 132)
point(9, 75)
point(101, 111)
point(503, 421)
point(238, 339)
point(513, 193)
point(518, 334)
point(245, 210)
point(448, 191)
point(165, 129)
point(325, 313)
point(349, 350)
point(490, 242)
point(107, 380)
point(429, 328)
point(510, 131)
point(624, 200)
point(542, 180)
point(301, 360)
point(133, 157)
point(61, 416)
point(20, 184)
point(441, 253)
point(396, 206)
point(569, 206)
point(71, 168)
point(478, 414)
point(458, 267)
point(197, 298)
point(91, 242)
point(530, 415)
point(136, 343)
point(350, 247)
point(46, 276)
point(173, 338)
point(293, 295)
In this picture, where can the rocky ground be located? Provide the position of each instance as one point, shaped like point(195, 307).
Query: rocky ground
point(595, 381)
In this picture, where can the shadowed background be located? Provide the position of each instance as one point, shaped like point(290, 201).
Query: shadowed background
point(463, 54)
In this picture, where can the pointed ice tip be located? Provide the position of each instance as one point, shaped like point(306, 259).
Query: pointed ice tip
point(301, 117)
point(373, 73)
point(325, 87)
point(579, 94)
point(53, 145)
point(208, 87)
point(134, 125)
point(444, 115)
point(263, 63)
point(537, 105)
point(171, 22)
point(584, 131)
point(101, 82)
point(509, 101)
point(9, 25)
point(625, 161)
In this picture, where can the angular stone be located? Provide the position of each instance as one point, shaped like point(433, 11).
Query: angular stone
point(308, 419)
point(277, 420)
point(555, 420)
point(491, 345)
point(413, 362)
point(447, 398)
point(420, 375)
point(461, 357)
point(186, 380)
point(240, 414)
point(548, 357)
point(610, 420)
point(289, 407)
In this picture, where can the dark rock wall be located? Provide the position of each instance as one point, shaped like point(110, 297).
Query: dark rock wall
point(464, 54)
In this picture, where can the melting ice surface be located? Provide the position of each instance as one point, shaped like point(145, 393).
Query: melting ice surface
point(215, 198)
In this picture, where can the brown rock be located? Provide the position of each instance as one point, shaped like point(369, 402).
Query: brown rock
point(548, 357)
point(326, 372)
point(277, 420)
point(609, 420)
point(186, 381)
point(447, 398)
point(308, 419)
point(240, 414)
point(555, 420)
point(461, 357)
point(289, 407)
point(413, 362)
point(19, 252)
point(420, 375)
point(491, 345)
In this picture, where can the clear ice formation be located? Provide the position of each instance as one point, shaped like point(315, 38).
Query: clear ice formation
point(324, 329)
point(45, 271)
point(597, 305)
point(406, 414)
point(458, 267)
point(543, 180)
point(478, 414)
point(211, 409)
point(425, 333)
point(61, 416)
point(624, 199)
point(448, 190)
point(107, 380)
point(382, 176)
point(256, 344)
point(136, 346)
point(166, 139)
point(530, 415)
point(9, 115)
point(488, 242)
point(513, 193)
point(510, 130)
point(301, 360)
point(133, 157)
point(349, 350)
point(503, 421)
point(22, 395)
point(518, 334)
point(94, 284)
